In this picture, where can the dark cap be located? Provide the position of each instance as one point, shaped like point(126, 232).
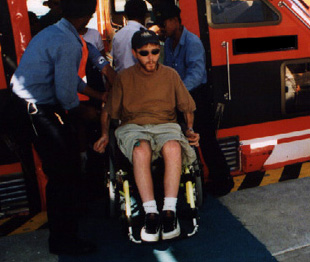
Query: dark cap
point(78, 8)
point(48, 2)
point(144, 37)
point(166, 10)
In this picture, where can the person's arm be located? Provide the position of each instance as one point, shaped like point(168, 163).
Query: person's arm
point(192, 137)
point(101, 63)
point(186, 104)
point(90, 92)
point(195, 65)
point(111, 110)
point(110, 74)
point(102, 142)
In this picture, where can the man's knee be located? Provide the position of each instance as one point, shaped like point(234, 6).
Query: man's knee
point(141, 148)
point(172, 147)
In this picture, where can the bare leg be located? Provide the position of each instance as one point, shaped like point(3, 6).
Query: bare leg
point(171, 152)
point(141, 159)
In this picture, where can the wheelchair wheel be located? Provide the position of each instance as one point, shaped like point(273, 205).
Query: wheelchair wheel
point(113, 192)
point(112, 199)
point(198, 191)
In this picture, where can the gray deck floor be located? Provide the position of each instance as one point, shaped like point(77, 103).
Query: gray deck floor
point(278, 215)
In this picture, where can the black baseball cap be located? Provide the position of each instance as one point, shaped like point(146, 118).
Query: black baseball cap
point(144, 37)
point(166, 10)
point(78, 8)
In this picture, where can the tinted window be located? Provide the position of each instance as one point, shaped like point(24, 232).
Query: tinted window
point(239, 12)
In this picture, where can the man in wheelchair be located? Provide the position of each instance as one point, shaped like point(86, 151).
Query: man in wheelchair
point(146, 97)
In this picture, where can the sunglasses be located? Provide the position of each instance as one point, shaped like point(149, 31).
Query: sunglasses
point(146, 53)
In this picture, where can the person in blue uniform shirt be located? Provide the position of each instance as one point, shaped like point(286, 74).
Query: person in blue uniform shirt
point(46, 84)
point(135, 11)
point(185, 52)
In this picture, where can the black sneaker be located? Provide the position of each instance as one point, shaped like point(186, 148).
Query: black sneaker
point(71, 246)
point(170, 225)
point(151, 229)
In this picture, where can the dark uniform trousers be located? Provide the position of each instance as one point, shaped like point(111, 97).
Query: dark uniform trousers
point(56, 143)
point(219, 173)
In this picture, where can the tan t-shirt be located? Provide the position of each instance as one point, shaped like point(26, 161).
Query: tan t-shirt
point(139, 98)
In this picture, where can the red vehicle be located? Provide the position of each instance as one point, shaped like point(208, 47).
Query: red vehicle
point(19, 191)
point(258, 61)
point(259, 71)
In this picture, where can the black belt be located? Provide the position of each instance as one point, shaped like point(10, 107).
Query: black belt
point(33, 108)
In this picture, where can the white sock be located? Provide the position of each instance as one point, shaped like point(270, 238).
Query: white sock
point(150, 207)
point(170, 203)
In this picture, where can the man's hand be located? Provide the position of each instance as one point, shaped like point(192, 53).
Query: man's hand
point(104, 96)
point(101, 143)
point(192, 137)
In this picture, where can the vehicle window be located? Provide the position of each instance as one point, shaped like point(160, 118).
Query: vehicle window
point(241, 12)
point(296, 87)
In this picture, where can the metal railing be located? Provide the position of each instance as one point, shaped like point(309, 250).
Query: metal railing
point(282, 3)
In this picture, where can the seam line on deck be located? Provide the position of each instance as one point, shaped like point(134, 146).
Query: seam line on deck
point(290, 250)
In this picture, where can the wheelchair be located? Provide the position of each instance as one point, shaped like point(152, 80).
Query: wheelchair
point(125, 202)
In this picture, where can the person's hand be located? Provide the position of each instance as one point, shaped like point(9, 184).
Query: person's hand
point(192, 137)
point(101, 144)
point(104, 97)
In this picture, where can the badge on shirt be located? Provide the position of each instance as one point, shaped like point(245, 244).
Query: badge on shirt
point(101, 60)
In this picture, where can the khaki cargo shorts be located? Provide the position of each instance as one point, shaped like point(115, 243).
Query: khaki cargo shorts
point(128, 135)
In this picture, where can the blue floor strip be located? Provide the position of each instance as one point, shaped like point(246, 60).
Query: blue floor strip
point(221, 238)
